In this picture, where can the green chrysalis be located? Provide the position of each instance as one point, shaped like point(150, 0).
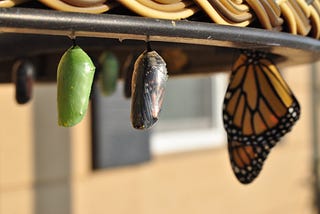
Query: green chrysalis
point(109, 72)
point(74, 79)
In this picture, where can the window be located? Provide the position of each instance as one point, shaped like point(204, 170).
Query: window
point(191, 116)
point(190, 119)
point(114, 141)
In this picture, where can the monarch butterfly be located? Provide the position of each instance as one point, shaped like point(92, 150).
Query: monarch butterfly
point(74, 79)
point(148, 87)
point(258, 109)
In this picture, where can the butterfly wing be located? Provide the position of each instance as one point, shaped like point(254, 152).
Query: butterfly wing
point(259, 108)
point(247, 160)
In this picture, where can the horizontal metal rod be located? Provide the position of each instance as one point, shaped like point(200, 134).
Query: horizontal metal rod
point(50, 22)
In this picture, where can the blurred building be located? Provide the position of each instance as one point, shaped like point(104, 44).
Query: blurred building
point(185, 168)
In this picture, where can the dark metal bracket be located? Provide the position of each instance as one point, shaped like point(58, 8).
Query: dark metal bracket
point(46, 31)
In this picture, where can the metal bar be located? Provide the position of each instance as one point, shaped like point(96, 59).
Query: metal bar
point(49, 22)
point(41, 34)
point(315, 136)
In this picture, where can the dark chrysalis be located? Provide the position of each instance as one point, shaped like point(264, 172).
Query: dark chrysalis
point(109, 73)
point(127, 73)
point(23, 77)
point(148, 88)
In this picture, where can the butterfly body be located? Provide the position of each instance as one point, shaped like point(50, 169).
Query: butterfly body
point(259, 108)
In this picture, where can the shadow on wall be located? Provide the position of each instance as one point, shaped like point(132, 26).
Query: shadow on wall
point(52, 159)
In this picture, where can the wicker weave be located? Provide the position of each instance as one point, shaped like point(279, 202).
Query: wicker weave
point(300, 17)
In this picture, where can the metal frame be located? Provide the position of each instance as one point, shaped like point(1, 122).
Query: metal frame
point(315, 106)
point(297, 49)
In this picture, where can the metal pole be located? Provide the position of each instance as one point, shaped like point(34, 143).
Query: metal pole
point(48, 22)
point(315, 128)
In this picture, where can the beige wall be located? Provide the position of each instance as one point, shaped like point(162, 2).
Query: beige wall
point(45, 169)
point(16, 155)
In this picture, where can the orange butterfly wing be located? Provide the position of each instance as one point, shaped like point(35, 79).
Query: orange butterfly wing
point(259, 108)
